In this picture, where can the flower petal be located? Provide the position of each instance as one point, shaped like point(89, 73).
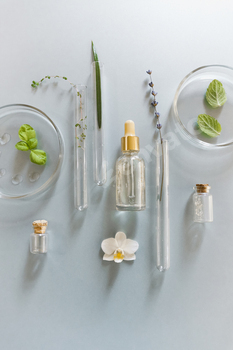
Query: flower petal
point(108, 257)
point(118, 260)
point(109, 245)
point(120, 238)
point(130, 246)
point(129, 257)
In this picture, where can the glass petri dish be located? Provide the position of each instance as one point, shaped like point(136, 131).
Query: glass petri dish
point(190, 101)
point(19, 177)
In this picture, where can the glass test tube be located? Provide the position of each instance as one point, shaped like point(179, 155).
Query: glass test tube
point(80, 153)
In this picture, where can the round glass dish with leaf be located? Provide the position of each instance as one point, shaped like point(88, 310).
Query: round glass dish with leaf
point(190, 101)
point(19, 177)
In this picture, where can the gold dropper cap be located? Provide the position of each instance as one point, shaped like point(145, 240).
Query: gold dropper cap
point(129, 142)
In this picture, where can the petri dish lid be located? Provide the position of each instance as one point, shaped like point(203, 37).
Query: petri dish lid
point(190, 101)
point(19, 177)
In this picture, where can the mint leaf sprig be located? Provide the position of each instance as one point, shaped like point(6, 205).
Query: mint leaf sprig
point(28, 142)
point(80, 125)
point(34, 83)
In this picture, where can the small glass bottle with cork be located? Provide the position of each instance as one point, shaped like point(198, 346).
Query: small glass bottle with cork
point(203, 203)
point(39, 238)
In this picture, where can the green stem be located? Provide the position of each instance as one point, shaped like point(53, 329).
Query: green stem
point(98, 95)
point(98, 87)
point(161, 189)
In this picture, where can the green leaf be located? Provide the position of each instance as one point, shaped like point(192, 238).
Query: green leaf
point(22, 146)
point(38, 156)
point(98, 86)
point(209, 125)
point(26, 132)
point(32, 143)
point(215, 94)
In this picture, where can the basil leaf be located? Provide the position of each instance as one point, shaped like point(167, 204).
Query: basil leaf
point(32, 143)
point(209, 125)
point(26, 132)
point(38, 156)
point(215, 94)
point(22, 146)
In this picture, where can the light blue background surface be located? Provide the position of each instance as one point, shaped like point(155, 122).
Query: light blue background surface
point(71, 299)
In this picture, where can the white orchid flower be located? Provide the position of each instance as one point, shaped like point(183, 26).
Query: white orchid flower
point(119, 248)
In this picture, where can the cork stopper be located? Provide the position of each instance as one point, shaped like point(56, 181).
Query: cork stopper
point(40, 226)
point(202, 188)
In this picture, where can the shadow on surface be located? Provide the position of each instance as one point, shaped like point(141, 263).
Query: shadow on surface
point(37, 202)
point(113, 270)
point(193, 231)
point(77, 220)
point(157, 279)
point(33, 268)
point(126, 222)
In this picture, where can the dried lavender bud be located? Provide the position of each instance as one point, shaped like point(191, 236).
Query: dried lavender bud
point(159, 126)
point(154, 93)
point(151, 84)
point(149, 71)
point(154, 103)
point(157, 115)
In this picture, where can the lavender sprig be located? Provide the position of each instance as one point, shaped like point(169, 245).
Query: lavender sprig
point(80, 123)
point(154, 104)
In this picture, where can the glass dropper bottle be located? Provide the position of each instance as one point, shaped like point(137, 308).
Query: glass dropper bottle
point(130, 173)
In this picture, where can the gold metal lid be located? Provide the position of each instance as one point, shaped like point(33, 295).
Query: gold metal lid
point(130, 142)
point(202, 188)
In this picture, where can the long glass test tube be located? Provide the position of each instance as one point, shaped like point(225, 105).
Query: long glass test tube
point(162, 205)
point(100, 167)
point(80, 153)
